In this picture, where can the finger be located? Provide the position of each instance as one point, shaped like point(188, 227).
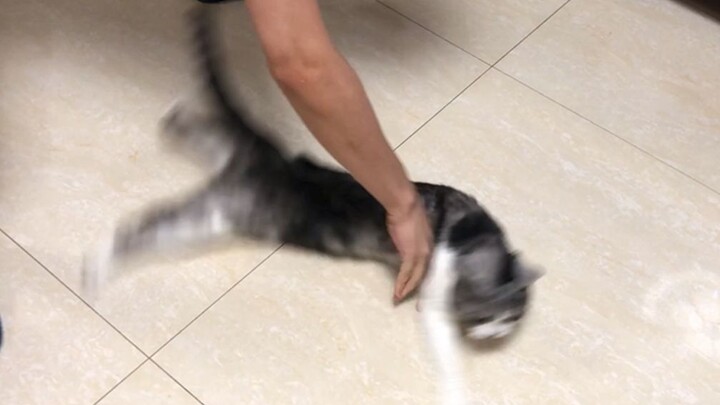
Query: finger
point(402, 278)
point(415, 278)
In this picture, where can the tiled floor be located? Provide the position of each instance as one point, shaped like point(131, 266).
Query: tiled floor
point(594, 137)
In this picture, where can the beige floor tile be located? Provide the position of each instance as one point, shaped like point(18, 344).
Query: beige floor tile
point(646, 70)
point(628, 312)
point(84, 85)
point(148, 386)
point(485, 28)
point(55, 349)
point(308, 330)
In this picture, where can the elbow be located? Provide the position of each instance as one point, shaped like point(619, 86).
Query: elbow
point(296, 67)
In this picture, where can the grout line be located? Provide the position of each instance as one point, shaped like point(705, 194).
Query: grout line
point(121, 381)
point(216, 300)
point(637, 147)
point(441, 109)
point(433, 32)
point(493, 66)
point(147, 358)
point(463, 49)
point(176, 381)
point(460, 48)
point(531, 32)
point(73, 292)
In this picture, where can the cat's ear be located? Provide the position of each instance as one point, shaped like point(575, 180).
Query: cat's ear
point(526, 275)
point(523, 277)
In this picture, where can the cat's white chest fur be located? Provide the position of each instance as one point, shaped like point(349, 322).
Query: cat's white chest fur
point(436, 291)
point(440, 327)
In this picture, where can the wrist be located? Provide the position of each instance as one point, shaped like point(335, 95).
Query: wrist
point(403, 202)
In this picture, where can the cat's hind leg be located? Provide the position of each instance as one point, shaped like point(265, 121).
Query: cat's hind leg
point(198, 220)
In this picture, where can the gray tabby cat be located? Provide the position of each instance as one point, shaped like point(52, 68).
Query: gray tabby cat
point(259, 192)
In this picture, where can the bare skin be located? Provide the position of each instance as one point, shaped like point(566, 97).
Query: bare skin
point(328, 96)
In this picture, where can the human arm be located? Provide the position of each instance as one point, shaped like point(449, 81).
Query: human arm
point(328, 96)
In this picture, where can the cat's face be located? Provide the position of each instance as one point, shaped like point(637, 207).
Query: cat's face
point(490, 295)
point(491, 307)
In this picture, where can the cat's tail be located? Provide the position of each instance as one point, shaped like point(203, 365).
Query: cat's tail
point(210, 61)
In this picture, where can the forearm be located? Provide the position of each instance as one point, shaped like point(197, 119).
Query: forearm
point(328, 96)
point(336, 110)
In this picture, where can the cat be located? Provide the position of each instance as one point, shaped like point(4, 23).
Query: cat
point(475, 285)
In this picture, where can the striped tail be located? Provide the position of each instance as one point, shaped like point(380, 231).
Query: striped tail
point(210, 61)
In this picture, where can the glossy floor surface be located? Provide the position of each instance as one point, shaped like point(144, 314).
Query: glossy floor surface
point(590, 128)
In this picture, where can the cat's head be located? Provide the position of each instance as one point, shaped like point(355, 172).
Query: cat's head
point(492, 285)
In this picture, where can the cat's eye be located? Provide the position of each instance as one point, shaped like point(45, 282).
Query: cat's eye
point(485, 319)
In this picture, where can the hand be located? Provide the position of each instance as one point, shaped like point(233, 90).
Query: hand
point(410, 232)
